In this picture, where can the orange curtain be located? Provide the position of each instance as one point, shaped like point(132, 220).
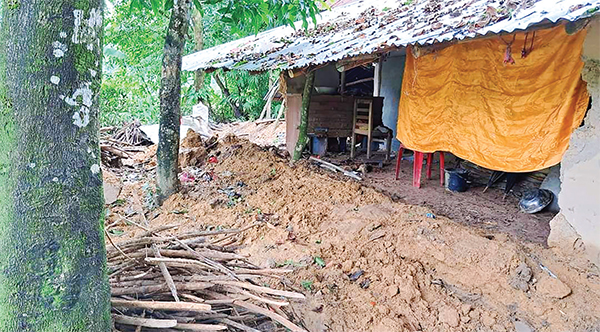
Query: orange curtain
point(509, 117)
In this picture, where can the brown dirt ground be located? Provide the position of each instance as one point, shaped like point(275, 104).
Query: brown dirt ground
point(423, 274)
point(489, 210)
point(270, 133)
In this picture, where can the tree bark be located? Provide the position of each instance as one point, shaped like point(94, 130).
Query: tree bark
point(199, 41)
point(306, 97)
point(237, 112)
point(52, 253)
point(170, 101)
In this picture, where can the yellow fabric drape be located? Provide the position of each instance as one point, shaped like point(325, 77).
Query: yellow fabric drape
point(514, 118)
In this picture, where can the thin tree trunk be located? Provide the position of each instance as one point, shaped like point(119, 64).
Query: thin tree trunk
point(52, 253)
point(236, 109)
point(199, 41)
point(306, 97)
point(170, 99)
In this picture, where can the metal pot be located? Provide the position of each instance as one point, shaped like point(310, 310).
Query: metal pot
point(536, 200)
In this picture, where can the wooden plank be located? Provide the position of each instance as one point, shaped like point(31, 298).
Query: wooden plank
point(364, 80)
point(292, 120)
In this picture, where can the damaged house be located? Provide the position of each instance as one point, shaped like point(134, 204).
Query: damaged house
point(512, 86)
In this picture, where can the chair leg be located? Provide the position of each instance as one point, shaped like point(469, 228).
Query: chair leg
point(442, 169)
point(429, 162)
point(399, 161)
point(417, 169)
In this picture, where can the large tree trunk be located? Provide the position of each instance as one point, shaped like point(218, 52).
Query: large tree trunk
point(237, 112)
point(199, 46)
point(306, 97)
point(170, 99)
point(52, 253)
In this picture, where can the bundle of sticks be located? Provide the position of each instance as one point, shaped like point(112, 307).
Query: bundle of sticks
point(192, 282)
point(131, 134)
point(121, 143)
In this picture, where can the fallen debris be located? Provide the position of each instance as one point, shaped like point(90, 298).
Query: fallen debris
point(420, 271)
point(521, 277)
point(335, 168)
point(118, 144)
point(214, 289)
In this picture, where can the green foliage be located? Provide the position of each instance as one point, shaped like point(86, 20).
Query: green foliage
point(132, 65)
point(134, 40)
point(319, 261)
point(307, 285)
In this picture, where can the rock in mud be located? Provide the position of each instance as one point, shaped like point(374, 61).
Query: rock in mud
point(521, 277)
point(522, 327)
point(408, 291)
point(391, 291)
point(449, 315)
point(552, 287)
point(111, 193)
point(347, 266)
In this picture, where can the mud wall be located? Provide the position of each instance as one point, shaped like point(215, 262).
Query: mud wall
point(580, 171)
point(391, 84)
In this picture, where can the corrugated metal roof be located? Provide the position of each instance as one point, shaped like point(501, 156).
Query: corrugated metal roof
point(340, 3)
point(366, 27)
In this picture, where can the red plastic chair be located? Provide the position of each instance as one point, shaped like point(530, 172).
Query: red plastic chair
point(418, 166)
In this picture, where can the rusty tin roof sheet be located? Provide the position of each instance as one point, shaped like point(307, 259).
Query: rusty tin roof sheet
point(368, 27)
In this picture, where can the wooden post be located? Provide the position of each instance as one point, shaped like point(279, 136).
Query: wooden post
point(306, 96)
point(377, 78)
point(353, 140)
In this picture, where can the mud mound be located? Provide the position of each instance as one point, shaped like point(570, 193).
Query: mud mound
point(369, 264)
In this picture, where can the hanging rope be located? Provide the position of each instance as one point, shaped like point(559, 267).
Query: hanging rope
point(525, 52)
point(508, 53)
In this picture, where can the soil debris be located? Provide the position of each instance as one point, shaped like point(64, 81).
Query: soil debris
point(424, 274)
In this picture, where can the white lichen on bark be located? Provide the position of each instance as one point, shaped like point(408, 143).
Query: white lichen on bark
point(59, 49)
point(95, 169)
point(86, 31)
point(81, 117)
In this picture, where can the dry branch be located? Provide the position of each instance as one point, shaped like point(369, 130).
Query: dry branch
point(200, 327)
point(175, 306)
point(145, 322)
point(214, 281)
point(276, 317)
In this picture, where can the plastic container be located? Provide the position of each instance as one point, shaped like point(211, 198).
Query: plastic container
point(318, 145)
point(456, 180)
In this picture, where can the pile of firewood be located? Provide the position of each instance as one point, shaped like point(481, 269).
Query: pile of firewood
point(192, 282)
point(118, 144)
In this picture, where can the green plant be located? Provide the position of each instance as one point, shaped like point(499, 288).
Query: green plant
point(307, 284)
point(319, 261)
